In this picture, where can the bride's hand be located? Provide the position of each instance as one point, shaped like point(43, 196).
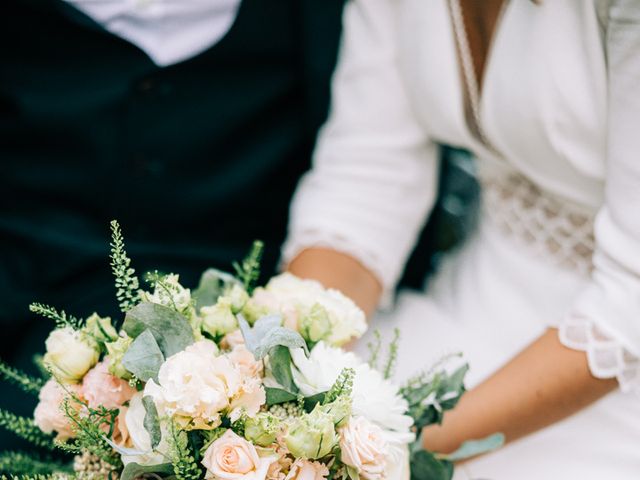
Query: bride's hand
point(342, 272)
point(542, 385)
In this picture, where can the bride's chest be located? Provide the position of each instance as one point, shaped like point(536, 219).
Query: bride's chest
point(543, 100)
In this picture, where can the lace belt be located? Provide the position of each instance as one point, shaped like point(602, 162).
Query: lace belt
point(551, 227)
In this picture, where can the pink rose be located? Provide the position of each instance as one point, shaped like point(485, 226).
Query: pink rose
point(232, 340)
point(245, 362)
point(49, 415)
point(100, 388)
point(231, 457)
point(363, 447)
point(307, 470)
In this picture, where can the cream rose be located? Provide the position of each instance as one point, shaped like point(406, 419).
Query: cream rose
point(363, 447)
point(296, 300)
point(70, 354)
point(248, 399)
point(307, 470)
point(231, 457)
point(100, 388)
point(195, 386)
point(49, 415)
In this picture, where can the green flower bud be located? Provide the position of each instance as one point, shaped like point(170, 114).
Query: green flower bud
point(311, 436)
point(339, 410)
point(116, 351)
point(252, 311)
point(237, 298)
point(262, 429)
point(315, 325)
point(218, 319)
point(100, 328)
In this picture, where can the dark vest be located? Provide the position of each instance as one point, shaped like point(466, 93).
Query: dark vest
point(195, 160)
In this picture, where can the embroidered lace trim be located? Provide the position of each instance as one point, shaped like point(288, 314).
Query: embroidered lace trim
point(550, 227)
point(607, 358)
point(561, 232)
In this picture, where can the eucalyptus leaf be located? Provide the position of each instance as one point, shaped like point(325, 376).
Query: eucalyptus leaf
point(213, 284)
point(276, 396)
point(268, 333)
point(144, 357)
point(170, 329)
point(473, 448)
point(151, 421)
point(132, 471)
point(280, 363)
point(425, 466)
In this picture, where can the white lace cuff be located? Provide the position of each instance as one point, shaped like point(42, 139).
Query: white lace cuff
point(607, 357)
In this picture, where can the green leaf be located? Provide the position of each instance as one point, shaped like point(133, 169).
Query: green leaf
point(144, 357)
point(151, 421)
point(213, 284)
point(280, 363)
point(425, 466)
point(311, 402)
point(277, 395)
point(170, 329)
point(268, 333)
point(133, 471)
point(473, 448)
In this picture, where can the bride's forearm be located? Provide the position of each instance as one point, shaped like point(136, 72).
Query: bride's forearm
point(339, 271)
point(544, 384)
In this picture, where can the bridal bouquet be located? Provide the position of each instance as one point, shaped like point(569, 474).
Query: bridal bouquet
point(226, 381)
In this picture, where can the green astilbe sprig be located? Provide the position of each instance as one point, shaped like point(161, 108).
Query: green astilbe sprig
point(60, 317)
point(342, 386)
point(248, 272)
point(19, 463)
point(392, 357)
point(89, 430)
point(26, 382)
point(127, 283)
point(26, 429)
point(185, 465)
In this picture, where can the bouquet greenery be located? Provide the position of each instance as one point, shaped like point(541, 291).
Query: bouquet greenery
point(227, 381)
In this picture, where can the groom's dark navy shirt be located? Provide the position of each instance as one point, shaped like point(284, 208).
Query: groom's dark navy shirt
point(195, 160)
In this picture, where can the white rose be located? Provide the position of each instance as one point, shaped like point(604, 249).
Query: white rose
point(70, 354)
point(231, 457)
point(139, 437)
point(374, 397)
point(195, 386)
point(289, 293)
point(218, 319)
point(363, 447)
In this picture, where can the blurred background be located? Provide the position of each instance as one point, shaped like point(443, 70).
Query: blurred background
point(196, 159)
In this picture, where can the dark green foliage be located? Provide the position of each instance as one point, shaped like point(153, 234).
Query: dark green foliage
point(26, 382)
point(18, 463)
point(26, 429)
point(249, 270)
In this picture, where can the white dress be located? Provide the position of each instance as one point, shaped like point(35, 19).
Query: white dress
point(559, 237)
